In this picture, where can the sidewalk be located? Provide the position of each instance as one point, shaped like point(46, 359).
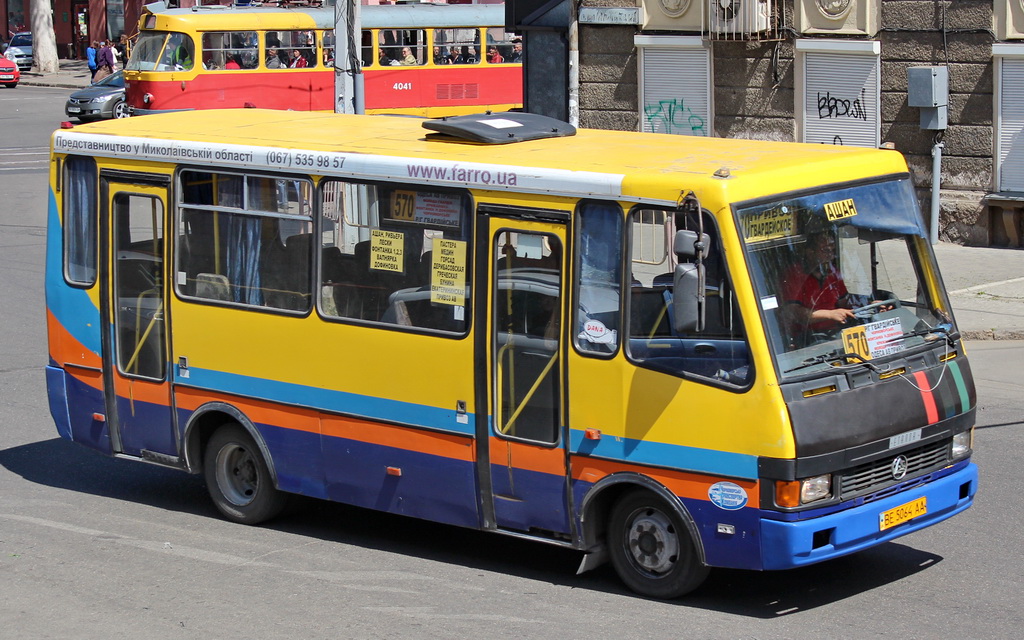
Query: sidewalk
point(73, 74)
point(986, 285)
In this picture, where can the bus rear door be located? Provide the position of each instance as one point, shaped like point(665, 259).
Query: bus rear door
point(134, 318)
point(525, 480)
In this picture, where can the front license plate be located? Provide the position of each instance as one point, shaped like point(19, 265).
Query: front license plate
point(7, 76)
point(902, 513)
point(74, 110)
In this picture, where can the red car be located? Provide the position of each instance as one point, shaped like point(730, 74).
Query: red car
point(9, 74)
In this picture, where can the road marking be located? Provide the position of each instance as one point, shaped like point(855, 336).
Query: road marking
point(987, 285)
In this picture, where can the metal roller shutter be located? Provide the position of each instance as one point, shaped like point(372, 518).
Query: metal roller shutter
point(841, 99)
point(1011, 125)
point(675, 91)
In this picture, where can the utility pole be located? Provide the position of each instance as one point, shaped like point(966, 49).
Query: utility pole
point(348, 67)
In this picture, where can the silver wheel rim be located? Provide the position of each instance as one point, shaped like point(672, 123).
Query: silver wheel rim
point(237, 474)
point(651, 541)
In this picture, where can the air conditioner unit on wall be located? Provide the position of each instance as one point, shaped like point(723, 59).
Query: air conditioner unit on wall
point(839, 17)
point(1009, 19)
point(738, 17)
point(673, 15)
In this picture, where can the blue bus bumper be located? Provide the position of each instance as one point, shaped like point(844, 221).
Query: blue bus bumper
point(792, 544)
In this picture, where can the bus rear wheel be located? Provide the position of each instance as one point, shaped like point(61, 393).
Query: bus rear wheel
point(651, 549)
point(238, 478)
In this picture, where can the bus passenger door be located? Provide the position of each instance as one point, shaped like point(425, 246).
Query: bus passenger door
point(525, 442)
point(134, 317)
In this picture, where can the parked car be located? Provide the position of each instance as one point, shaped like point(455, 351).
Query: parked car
point(9, 74)
point(104, 99)
point(19, 50)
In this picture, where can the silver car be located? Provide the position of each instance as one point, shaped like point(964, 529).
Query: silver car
point(104, 99)
point(19, 51)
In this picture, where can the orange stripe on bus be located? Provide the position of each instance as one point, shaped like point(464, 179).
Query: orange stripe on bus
point(681, 483)
point(258, 411)
point(419, 440)
point(65, 348)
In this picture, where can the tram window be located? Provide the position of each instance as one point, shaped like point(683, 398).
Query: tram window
point(367, 49)
point(395, 254)
point(230, 50)
point(503, 46)
point(327, 38)
point(296, 49)
point(162, 51)
point(719, 351)
point(458, 46)
point(599, 269)
point(245, 239)
point(80, 220)
point(402, 47)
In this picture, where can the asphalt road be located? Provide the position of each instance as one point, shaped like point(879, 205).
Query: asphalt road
point(92, 547)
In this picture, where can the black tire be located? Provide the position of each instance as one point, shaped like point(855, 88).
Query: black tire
point(651, 549)
point(120, 110)
point(10, 85)
point(238, 479)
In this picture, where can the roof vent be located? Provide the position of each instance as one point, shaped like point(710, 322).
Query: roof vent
point(498, 128)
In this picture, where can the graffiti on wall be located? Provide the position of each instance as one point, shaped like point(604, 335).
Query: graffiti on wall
point(673, 116)
point(830, 107)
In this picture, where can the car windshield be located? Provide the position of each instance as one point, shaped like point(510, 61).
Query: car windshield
point(115, 80)
point(844, 276)
point(22, 40)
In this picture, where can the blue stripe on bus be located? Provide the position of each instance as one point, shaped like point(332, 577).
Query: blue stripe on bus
point(351, 404)
point(671, 456)
point(69, 305)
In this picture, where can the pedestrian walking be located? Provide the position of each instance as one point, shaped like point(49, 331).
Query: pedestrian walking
point(90, 59)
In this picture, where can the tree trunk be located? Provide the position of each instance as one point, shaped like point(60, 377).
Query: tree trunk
point(44, 42)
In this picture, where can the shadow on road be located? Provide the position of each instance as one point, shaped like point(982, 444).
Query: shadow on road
point(63, 465)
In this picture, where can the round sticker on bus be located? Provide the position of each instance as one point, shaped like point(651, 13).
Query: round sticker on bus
point(595, 331)
point(727, 495)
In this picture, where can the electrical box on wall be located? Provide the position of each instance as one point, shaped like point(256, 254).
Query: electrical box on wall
point(1009, 16)
point(673, 15)
point(928, 89)
point(839, 17)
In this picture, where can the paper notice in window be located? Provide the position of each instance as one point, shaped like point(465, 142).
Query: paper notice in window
point(448, 272)
point(387, 250)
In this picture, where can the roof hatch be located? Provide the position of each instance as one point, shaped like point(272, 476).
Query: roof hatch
point(498, 128)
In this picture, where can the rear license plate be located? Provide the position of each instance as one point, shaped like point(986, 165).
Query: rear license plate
point(74, 110)
point(902, 513)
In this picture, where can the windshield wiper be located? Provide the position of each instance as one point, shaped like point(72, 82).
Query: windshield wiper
point(834, 356)
point(943, 329)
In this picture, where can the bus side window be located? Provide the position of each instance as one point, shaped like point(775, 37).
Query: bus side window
point(719, 351)
point(80, 220)
point(396, 255)
point(599, 273)
point(259, 257)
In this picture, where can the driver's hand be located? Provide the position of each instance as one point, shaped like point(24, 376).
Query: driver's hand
point(837, 315)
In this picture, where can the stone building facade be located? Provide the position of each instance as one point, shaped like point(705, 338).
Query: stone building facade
point(766, 78)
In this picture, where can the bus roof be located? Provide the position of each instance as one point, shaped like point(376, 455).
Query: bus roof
point(610, 164)
point(405, 16)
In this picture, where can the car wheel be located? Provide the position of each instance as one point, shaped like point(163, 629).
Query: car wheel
point(10, 85)
point(120, 110)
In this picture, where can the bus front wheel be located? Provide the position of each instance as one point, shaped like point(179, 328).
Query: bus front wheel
point(651, 549)
point(238, 478)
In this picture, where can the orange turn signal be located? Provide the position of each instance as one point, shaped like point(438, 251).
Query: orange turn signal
point(787, 493)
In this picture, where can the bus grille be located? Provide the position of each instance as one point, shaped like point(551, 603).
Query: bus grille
point(877, 475)
point(458, 91)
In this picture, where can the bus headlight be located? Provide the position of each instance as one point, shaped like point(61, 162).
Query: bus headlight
point(794, 493)
point(962, 443)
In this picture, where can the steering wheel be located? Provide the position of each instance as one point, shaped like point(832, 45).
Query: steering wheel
point(869, 310)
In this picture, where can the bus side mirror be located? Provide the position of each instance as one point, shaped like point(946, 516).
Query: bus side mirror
point(688, 282)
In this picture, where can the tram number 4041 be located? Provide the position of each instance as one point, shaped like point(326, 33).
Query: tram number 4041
point(402, 86)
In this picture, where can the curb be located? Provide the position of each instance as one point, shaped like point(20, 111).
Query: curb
point(993, 334)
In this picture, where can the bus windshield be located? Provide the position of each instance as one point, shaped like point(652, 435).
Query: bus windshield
point(162, 51)
point(844, 276)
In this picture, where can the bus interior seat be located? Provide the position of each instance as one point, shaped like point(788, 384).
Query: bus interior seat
point(213, 286)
